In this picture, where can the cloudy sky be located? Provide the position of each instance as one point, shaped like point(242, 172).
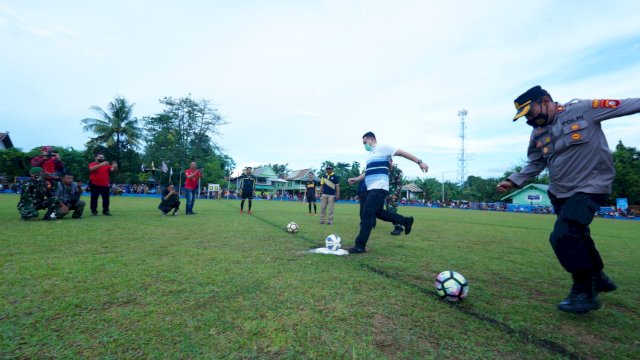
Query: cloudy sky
point(301, 81)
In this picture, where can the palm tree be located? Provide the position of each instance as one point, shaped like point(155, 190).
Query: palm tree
point(115, 127)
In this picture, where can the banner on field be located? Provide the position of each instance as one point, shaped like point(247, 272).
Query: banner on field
point(622, 203)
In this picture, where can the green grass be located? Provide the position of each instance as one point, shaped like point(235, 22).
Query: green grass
point(225, 285)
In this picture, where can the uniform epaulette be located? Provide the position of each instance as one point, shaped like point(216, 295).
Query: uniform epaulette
point(573, 102)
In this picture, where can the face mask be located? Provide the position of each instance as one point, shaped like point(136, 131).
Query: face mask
point(540, 120)
point(367, 147)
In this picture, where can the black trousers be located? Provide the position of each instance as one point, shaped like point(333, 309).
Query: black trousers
point(372, 208)
point(175, 206)
point(99, 191)
point(362, 199)
point(571, 238)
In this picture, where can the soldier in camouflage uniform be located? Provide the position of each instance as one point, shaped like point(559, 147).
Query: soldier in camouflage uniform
point(35, 195)
point(395, 190)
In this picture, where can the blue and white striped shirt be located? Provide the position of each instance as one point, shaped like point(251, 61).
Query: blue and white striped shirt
point(377, 173)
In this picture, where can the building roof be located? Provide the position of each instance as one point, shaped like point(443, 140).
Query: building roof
point(412, 187)
point(265, 172)
point(6, 140)
point(299, 175)
point(540, 187)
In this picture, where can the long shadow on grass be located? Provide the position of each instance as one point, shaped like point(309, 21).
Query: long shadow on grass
point(547, 345)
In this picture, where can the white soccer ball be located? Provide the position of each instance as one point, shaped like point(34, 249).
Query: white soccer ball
point(52, 215)
point(333, 242)
point(451, 285)
point(292, 227)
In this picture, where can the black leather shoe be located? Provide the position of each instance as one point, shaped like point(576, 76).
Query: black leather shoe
point(94, 213)
point(107, 214)
point(581, 299)
point(602, 283)
point(356, 250)
point(397, 230)
point(408, 225)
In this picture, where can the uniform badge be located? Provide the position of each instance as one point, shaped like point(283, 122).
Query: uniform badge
point(547, 140)
point(576, 136)
point(545, 150)
point(575, 127)
point(605, 103)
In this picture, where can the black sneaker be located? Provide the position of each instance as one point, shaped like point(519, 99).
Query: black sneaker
point(356, 250)
point(408, 225)
point(602, 283)
point(76, 216)
point(581, 299)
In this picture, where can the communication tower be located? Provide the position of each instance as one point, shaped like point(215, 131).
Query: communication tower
point(462, 165)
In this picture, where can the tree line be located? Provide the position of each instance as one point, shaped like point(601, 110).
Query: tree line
point(181, 133)
point(184, 131)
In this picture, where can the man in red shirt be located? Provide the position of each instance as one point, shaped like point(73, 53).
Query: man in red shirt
point(191, 186)
point(52, 165)
point(99, 182)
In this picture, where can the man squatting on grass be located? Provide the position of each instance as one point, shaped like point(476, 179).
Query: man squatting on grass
point(67, 193)
point(170, 200)
point(568, 140)
point(376, 177)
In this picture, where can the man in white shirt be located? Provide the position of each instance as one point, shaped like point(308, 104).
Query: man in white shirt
point(376, 177)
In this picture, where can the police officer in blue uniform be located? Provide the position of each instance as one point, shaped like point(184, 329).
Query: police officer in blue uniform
point(569, 141)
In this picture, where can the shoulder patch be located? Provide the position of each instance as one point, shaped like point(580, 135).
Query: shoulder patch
point(605, 103)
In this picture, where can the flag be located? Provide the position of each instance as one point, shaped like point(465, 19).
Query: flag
point(142, 168)
point(164, 167)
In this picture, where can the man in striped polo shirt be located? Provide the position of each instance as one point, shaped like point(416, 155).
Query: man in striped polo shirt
point(376, 178)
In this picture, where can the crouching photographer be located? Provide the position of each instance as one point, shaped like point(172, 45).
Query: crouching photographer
point(68, 194)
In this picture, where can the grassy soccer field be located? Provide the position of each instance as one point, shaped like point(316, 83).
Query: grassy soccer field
point(224, 285)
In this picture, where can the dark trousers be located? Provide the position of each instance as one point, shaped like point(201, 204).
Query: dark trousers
point(571, 238)
point(99, 191)
point(372, 208)
point(175, 206)
point(312, 200)
point(77, 207)
point(362, 199)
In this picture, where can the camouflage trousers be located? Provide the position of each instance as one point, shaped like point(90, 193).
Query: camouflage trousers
point(29, 207)
point(391, 203)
